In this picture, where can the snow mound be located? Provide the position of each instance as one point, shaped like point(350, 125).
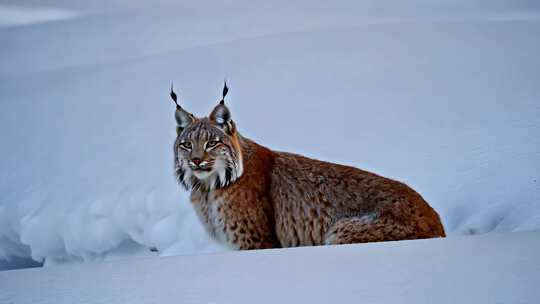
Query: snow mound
point(497, 268)
point(443, 97)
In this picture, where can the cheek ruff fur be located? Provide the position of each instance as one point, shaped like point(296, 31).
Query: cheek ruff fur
point(224, 172)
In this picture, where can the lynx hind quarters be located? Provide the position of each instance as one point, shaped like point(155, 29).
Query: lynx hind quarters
point(365, 229)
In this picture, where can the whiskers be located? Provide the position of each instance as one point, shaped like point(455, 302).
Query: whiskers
point(223, 178)
point(221, 175)
point(204, 165)
point(183, 174)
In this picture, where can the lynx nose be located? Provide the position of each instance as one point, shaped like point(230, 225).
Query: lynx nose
point(197, 161)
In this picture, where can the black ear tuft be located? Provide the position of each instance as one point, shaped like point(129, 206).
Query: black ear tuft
point(225, 91)
point(182, 117)
point(173, 96)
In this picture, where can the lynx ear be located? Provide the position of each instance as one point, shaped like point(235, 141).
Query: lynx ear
point(183, 118)
point(221, 114)
point(222, 117)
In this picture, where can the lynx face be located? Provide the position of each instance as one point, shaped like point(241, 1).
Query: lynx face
point(207, 154)
point(206, 157)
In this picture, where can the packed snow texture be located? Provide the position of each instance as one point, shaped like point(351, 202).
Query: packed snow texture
point(16, 16)
point(443, 96)
point(495, 268)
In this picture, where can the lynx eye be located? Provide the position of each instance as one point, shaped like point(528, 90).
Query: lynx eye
point(211, 144)
point(186, 144)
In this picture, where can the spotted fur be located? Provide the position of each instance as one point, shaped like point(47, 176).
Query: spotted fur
point(250, 197)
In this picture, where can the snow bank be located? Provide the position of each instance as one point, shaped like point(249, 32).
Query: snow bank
point(443, 97)
point(498, 268)
point(17, 16)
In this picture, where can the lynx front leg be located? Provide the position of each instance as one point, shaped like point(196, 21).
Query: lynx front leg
point(256, 243)
point(248, 230)
point(245, 235)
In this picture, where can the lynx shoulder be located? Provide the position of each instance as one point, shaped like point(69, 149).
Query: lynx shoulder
point(249, 197)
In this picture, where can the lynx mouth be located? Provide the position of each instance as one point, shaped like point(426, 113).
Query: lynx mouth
point(202, 173)
point(201, 169)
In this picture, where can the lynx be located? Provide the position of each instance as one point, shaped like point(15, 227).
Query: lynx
point(250, 197)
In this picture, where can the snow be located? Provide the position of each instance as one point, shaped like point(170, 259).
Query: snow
point(442, 96)
point(495, 268)
point(17, 16)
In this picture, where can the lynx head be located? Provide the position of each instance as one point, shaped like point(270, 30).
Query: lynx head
point(207, 153)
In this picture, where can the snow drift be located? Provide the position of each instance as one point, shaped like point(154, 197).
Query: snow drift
point(443, 97)
point(497, 268)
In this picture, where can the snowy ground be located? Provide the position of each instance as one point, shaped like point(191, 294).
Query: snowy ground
point(496, 268)
point(443, 96)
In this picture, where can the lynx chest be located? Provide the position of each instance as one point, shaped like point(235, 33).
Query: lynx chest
point(236, 219)
point(209, 210)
